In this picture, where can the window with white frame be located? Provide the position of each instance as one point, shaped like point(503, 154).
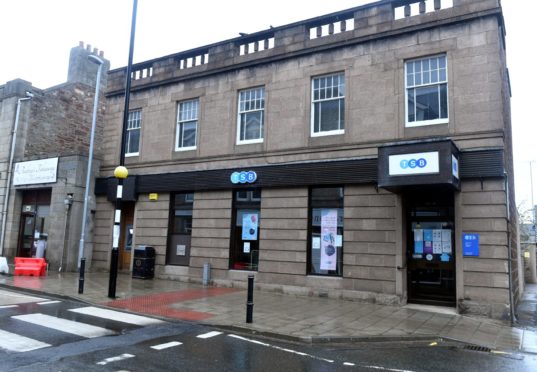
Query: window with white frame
point(187, 125)
point(132, 140)
point(328, 105)
point(251, 115)
point(426, 91)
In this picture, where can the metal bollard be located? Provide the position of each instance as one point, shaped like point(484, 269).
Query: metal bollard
point(250, 302)
point(81, 277)
point(206, 273)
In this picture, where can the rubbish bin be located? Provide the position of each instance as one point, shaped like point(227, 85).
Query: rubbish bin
point(144, 262)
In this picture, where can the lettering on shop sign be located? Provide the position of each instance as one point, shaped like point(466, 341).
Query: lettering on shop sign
point(35, 171)
point(417, 163)
point(243, 177)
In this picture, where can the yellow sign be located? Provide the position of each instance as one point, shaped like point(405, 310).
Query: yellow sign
point(526, 254)
point(153, 196)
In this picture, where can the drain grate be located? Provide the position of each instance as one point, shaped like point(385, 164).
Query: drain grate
point(478, 348)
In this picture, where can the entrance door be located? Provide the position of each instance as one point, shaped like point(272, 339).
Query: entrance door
point(125, 240)
point(431, 248)
point(34, 220)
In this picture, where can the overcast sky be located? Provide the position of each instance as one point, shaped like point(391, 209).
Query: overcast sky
point(37, 35)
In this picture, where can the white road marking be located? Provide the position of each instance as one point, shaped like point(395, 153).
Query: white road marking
point(281, 348)
point(166, 345)
point(348, 364)
point(117, 316)
point(115, 359)
point(65, 325)
point(8, 306)
point(48, 302)
point(209, 334)
point(387, 369)
point(13, 342)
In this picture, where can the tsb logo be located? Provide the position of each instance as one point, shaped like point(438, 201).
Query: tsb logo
point(413, 163)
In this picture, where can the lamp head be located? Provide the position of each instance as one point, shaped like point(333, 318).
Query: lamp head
point(93, 58)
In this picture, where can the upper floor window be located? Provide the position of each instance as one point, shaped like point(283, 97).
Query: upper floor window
point(132, 140)
point(187, 125)
point(328, 105)
point(251, 112)
point(426, 91)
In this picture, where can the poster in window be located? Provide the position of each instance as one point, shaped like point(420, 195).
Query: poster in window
point(428, 247)
point(328, 239)
point(437, 235)
point(249, 226)
point(428, 235)
point(437, 247)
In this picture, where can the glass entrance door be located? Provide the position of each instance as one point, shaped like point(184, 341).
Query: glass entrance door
point(431, 248)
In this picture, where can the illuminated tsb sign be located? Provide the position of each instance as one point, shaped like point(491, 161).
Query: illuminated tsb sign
point(243, 177)
point(418, 163)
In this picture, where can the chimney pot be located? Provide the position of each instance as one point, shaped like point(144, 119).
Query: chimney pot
point(95, 51)
point(81, 44)
point(101, 53)
point(88, 47)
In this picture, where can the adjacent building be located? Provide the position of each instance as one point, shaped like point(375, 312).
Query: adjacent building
point(364, 154)
point(44, 140)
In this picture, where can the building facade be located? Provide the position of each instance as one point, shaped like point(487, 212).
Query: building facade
point(364, 154)
point(44, 141)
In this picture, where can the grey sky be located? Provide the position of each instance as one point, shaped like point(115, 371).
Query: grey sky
point(37, 36)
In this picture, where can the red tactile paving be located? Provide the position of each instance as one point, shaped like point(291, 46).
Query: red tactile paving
point(159, 303)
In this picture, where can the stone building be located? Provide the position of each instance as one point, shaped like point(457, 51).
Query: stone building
point(364, 154)
point(43, 161)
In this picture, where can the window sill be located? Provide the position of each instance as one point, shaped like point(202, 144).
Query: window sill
point(249, 142)
point(132, 154)
point(426, 123)
point(329, 133)
point(179, 149)
point(324, 276)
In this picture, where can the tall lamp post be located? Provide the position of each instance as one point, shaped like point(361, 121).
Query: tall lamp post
point(29, 96)
point(81, 258)
point(121, 172)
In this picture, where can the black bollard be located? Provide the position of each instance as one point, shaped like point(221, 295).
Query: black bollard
point(81, 277)
point(113, 274)
point(250, 302)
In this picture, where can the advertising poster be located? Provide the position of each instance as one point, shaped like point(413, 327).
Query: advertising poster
point(437, 247)
point(418, 241)
point(428, 235)
point(437, 235)
point(428, 247)
point(328, 239)
point(249, 226)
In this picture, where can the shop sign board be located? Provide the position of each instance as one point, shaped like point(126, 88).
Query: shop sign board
point(417, 163)
point(470, 245)
point(243, 177)
point(35, 171)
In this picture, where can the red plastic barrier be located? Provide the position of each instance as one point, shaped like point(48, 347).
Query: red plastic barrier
point(30, 266)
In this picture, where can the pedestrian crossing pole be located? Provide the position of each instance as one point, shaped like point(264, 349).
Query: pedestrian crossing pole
point(121, 172)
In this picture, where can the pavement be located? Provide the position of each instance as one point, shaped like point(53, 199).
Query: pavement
point(291, 317)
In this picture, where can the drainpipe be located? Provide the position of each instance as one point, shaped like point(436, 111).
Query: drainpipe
point(9, 169)
point(509, 258)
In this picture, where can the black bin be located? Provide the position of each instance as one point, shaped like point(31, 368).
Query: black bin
point(144, 262)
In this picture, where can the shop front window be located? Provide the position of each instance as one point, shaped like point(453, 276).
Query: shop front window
point(244, 252)
point(326, 231)
point(178, 252)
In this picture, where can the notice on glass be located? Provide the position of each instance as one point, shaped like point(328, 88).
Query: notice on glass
point(246, 247)
point(328, 239)
point(180, 250)
point(446, 235)
point(428, 235)
point(437, 235)
point(418, 235)
point(339, 240)
point(446, 247)
point(249, 226)
point(428, 247)
point(437, 247)
point(418, 247)
point(316, 243)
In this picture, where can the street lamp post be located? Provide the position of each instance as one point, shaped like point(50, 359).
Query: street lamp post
point(29, 96)
point(81, 258)
point(121, 172)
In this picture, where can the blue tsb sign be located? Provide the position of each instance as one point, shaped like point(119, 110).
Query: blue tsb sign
point(413, 163)
point(243, 177)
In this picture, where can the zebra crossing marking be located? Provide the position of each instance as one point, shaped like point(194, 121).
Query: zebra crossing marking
point(166, 345)
point(209, 334)
point(117, 316)
point(65, 325)
point(14, 342)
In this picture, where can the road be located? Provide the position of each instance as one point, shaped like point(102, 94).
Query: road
point(60, 335)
